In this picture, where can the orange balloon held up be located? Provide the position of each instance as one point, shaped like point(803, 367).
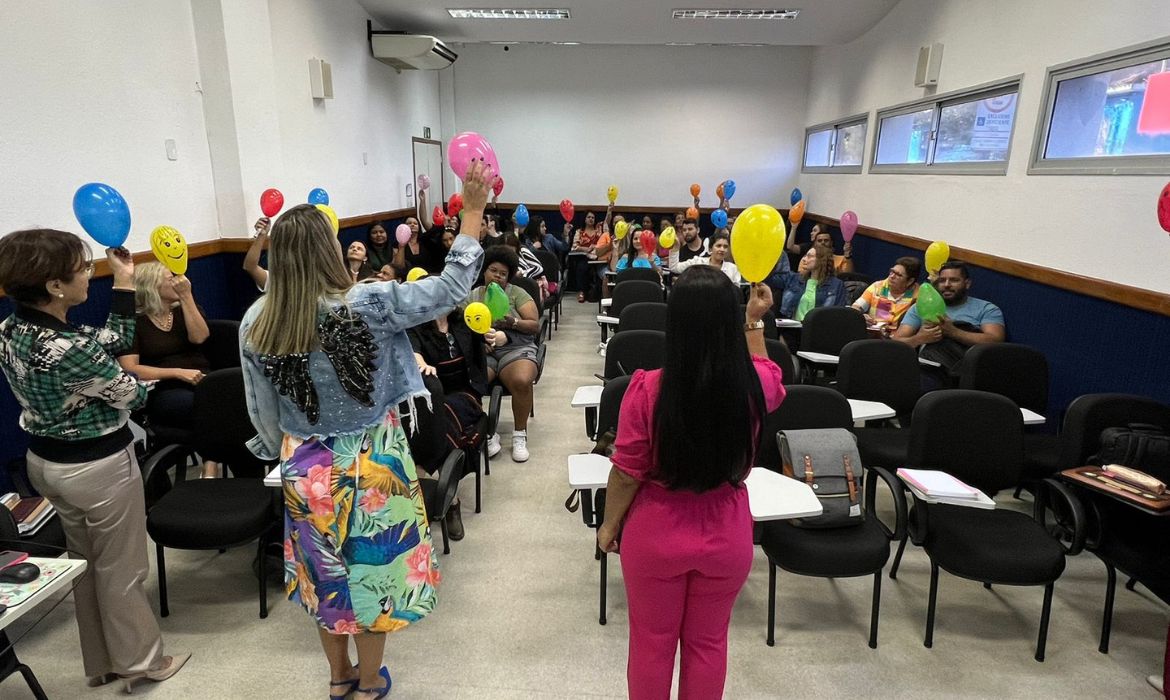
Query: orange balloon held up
point(695, 190)
point(692, 213)
point(719, 191)
point(796, 213)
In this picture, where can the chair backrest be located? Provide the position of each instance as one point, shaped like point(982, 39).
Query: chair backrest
point(447, 486)
point(779, 353)
point(551, 264)
point(975, 436)
point(827, 329)
point(221, 425)
point(610, 404)
point(880, 370)
point(222, 347)
point(643, 316)
point(769, 319)
point(530, 286)
point(641, 274)
point(804, 407)
point(631, 350)
point(1088, 415)
point(855, 277)
point(854, 289)
point(1008, 369)
point(632, 292)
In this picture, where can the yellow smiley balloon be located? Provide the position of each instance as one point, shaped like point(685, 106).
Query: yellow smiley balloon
point(612, 194)
point(620, 230)
point(478, 317)
point(331, 215)
point(416, 274)
point(170, 248)
point(667, 238)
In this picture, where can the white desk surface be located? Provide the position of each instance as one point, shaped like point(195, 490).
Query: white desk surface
point(588, 396)
point(273, 477)
point(788, 323)
point(818, 357)
point(608, 320)
point(869, 410)
point(1031, 417)
point(771, 496)
point(982, 502)
point(72, 569)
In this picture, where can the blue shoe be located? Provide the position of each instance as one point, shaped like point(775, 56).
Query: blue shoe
point(349, 686)
point(384, 690)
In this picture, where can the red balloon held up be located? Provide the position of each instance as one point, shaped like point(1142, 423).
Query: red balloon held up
point(498, 187)
point(438, 216)
point(649, 242)
point(455, 204)
point(1164, 208)
point(271, 202)
point(567, 210)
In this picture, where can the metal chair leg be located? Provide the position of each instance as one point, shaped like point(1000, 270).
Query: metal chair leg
point(873, 614)
point(478, 472)
point(263, 565)
point(771, 603)
point(1107, 616)
point(604, 578)
point(929, 641)
point(443, 529)
point(987, 585)
point(1042, 641)
point(33, 684)
point(163, 608)
point(1131, 583)
point(898, 557)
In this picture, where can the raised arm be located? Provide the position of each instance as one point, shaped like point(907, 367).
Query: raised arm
point(196, 325)
point(118, 334)
point(424, 214)
point(252, 258)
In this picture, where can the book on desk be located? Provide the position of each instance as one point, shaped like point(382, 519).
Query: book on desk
point(30, 513)
point(935, 486)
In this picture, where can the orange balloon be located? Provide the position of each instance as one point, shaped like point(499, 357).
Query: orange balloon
point(719, 191)
point(796, 213)
point(692, 213)
point(695, 190)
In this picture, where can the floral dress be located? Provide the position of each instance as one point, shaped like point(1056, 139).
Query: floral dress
point(357, 547)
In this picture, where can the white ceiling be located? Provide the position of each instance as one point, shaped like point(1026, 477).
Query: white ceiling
point(821, 22)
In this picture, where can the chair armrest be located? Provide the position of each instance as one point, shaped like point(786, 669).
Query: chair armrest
point(1068, 524)
point(540, 354)
point(897, 491)
point(494, 403)
point(154, 472)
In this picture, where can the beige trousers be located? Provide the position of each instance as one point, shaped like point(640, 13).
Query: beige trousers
point(103, 513)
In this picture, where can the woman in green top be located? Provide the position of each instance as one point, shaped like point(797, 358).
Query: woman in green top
point(813, 284)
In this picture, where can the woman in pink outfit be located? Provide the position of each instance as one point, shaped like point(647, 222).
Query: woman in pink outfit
point(687, 539)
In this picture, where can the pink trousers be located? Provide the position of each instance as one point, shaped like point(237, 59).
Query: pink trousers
point(685, 557)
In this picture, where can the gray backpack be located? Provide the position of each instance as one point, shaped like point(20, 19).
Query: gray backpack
point(826, 460)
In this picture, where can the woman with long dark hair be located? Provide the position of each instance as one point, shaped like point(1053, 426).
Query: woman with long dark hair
point(686, 439)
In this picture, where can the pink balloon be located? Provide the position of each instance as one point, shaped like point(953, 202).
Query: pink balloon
point(848, 225)
point(467, 147)
point(402, 234)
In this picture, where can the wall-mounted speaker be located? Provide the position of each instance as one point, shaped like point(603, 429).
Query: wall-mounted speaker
point(320, 79)
point(929, 63)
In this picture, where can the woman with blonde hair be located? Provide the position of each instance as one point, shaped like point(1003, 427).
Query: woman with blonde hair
point(168, 329)
point(812, 285)
point(326, 364)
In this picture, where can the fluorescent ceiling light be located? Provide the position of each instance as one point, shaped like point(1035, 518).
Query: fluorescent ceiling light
point(567, 43)
point(735, 14)
point(503, 13)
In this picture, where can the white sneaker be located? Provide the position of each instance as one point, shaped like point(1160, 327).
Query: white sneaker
point(493, 445)
point(519, 446)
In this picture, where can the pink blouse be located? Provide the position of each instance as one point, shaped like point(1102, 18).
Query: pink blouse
point(634, 450)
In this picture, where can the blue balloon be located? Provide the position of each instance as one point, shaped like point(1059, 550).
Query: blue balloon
point(318, 196)
point(729, 189)
point(719, 217)
point(796, 196)
point(521, 215)
point(103, 214)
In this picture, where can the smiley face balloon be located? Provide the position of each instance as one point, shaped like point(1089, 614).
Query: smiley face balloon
point(170, 248)
point(478, 317)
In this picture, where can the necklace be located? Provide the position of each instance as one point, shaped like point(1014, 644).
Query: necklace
point(164, 323)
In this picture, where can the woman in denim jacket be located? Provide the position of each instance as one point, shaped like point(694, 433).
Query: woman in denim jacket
point(326, 363)
point(812, 285)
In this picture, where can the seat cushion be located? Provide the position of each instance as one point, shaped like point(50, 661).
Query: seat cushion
point(838, 552)
point(1041, 455)
point(212, 513)
point(993, 546)
point(883, 447)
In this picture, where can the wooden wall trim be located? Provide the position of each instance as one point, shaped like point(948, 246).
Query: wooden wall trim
point(1133, 297)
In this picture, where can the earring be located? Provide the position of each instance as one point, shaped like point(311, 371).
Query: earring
point(60, 296)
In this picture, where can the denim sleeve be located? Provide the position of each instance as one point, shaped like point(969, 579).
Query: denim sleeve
point(413, 303)
point(263, 409)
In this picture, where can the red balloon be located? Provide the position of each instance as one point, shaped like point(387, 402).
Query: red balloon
point(649, 242)
point(1164, 208)
point(567, 209)
point(455, 204)
point(271, 202)
point(498, 187)
point(438, 216)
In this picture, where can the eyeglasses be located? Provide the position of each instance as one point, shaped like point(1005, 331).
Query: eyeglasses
point(895, 273)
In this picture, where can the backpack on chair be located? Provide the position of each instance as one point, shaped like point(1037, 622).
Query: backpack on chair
point(1138, 445)
point(827, 460)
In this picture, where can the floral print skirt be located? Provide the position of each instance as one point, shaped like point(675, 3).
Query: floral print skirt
point(357, 545)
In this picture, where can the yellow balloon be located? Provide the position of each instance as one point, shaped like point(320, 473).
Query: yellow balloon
point(620, 229)
point(478, 317)
point(331, 215)
point(757, 241)
point(937, 254)
point(416, 274)
point(612, 193)
point(170, 248)
point(667, 238)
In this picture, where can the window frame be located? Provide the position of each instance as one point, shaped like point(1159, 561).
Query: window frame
point(1148, 52)
point(1013, 84)
point(833, 127)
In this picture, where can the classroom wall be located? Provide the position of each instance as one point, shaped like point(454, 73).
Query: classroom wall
point(90, 93)
point(1099, 226)
point(568, 121)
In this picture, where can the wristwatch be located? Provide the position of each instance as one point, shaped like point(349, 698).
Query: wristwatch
point(754, 326)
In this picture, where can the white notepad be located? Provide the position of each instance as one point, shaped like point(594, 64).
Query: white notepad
point(937, 484)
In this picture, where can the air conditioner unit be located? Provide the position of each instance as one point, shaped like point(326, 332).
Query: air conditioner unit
point(409, 51)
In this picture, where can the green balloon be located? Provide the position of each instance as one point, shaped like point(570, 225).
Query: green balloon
point(930, 303)
point(496, 301)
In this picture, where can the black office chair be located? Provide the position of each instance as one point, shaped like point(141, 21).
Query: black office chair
point(222, 347)
point(885, 371)
point(977, 437)
point(212, 513)
point(804, 407)
point(1016, 371)
point(827, 330)
point(533, 289)
point(632, 350)
point(631, 291)
point(778, 352)
point(771, 332)
point(642, 274)
point(439, 493)
point(643, 316)
point(552, 272)
point(541, 352)
point(839, 552)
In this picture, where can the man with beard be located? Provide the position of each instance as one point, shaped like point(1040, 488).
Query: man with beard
point(690, 245)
